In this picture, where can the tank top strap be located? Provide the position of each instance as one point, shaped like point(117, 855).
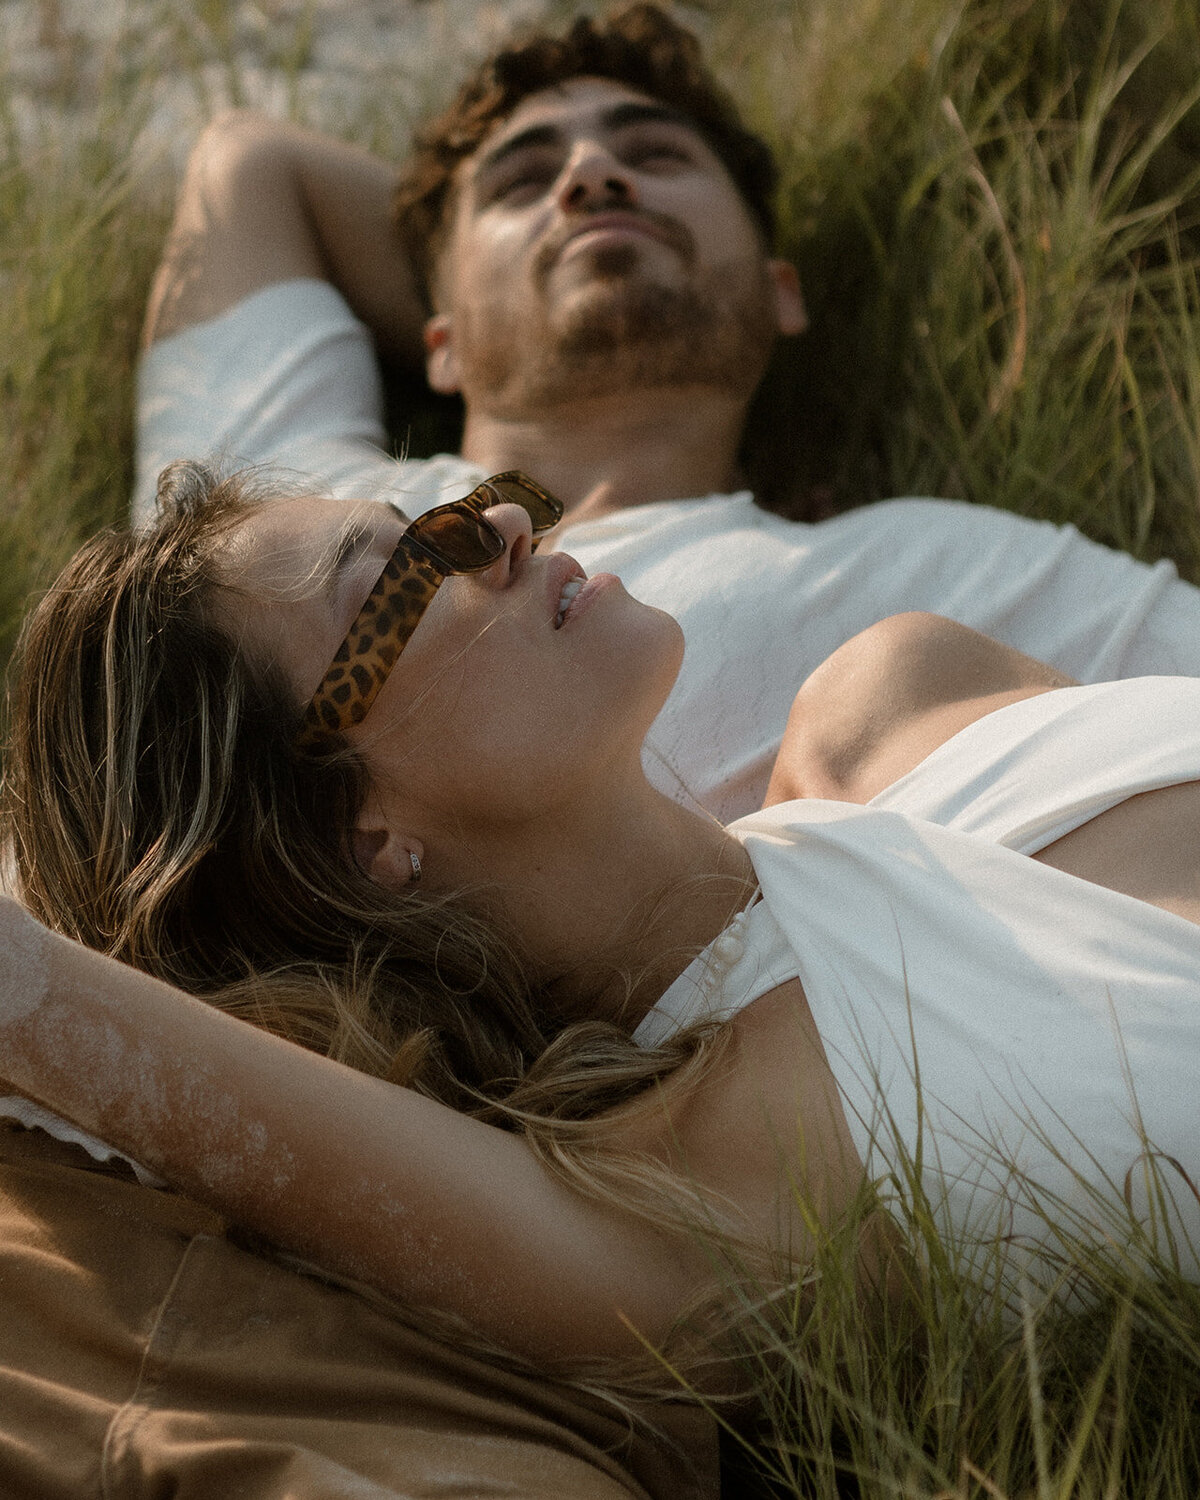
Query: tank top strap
point(750, 957)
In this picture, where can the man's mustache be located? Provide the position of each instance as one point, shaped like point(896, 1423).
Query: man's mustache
point(661, 226)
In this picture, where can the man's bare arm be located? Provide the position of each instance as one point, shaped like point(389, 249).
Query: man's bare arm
point(264, 201)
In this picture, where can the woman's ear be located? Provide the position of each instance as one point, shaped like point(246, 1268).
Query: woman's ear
point(388, 857)
point(441, 357)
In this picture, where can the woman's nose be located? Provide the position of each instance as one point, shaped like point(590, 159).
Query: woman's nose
point(514, 525)
point(594, 178)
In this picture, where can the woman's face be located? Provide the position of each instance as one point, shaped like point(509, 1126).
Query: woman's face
point(501, 704)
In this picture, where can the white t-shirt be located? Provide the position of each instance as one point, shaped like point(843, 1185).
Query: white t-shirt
point(288, 378)
point(1003, 1022)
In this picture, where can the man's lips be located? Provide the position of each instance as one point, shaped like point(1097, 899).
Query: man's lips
point(619, 223)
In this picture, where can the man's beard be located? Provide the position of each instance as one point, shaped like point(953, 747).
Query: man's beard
point(623, 331)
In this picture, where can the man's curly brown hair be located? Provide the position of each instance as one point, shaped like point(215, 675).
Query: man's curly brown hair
point(638, 45)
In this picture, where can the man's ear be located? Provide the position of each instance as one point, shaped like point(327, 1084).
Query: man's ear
point(441, 358)
point(390, 858)
point(790, 312)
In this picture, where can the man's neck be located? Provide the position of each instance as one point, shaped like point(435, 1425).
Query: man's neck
point(623, 449)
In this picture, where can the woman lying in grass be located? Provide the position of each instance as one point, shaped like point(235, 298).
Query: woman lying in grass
point(961, 934)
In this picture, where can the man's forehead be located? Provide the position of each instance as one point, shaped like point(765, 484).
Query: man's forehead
point(576, 104)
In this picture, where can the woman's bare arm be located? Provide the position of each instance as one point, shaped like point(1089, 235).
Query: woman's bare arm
point(264, 201)
point(367, 1179)
point(378, 1183)
point(889, 697)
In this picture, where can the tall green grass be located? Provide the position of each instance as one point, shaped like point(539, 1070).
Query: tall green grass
point(995, 206)
point(1070, 1375)
point(77, 245)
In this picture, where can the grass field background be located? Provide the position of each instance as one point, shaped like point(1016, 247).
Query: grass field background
point(995, 207)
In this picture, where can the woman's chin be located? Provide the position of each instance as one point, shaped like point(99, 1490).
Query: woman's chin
point(658, 658)
point(672, 645)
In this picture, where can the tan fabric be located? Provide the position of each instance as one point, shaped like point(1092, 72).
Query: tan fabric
point(144, 1353)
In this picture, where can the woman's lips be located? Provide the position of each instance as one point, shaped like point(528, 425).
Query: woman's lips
point(593, 587)
point(563, 570)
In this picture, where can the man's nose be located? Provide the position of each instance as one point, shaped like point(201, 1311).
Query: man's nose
point(594, 178)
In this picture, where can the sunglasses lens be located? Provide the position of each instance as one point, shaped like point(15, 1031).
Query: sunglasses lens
point(542, 509)
point(457, 539)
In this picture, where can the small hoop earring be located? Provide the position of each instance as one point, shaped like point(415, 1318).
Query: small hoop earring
point(416, 868)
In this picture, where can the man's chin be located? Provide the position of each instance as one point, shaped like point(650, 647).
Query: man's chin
point(607, 261)
point(626, 332)
point(614, 312)
point(614, 286)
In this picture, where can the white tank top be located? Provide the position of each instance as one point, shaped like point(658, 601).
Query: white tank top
point(1010, 1025)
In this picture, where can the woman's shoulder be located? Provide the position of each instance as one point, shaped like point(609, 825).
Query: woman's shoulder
point(888, 697)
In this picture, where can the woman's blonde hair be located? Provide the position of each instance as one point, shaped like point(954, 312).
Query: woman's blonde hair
point(157, 808)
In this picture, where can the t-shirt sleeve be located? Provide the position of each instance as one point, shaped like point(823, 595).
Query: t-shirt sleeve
point(1089, 610)
point(287, 377)
point(1092, 611)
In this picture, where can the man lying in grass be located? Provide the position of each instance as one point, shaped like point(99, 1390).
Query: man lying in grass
point(581, 248)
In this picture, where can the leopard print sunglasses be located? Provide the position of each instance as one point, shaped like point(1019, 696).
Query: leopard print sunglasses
point(454, 538)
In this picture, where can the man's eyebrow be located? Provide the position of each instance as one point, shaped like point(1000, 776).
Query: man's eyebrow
point(532, 135)
point(631, 112)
